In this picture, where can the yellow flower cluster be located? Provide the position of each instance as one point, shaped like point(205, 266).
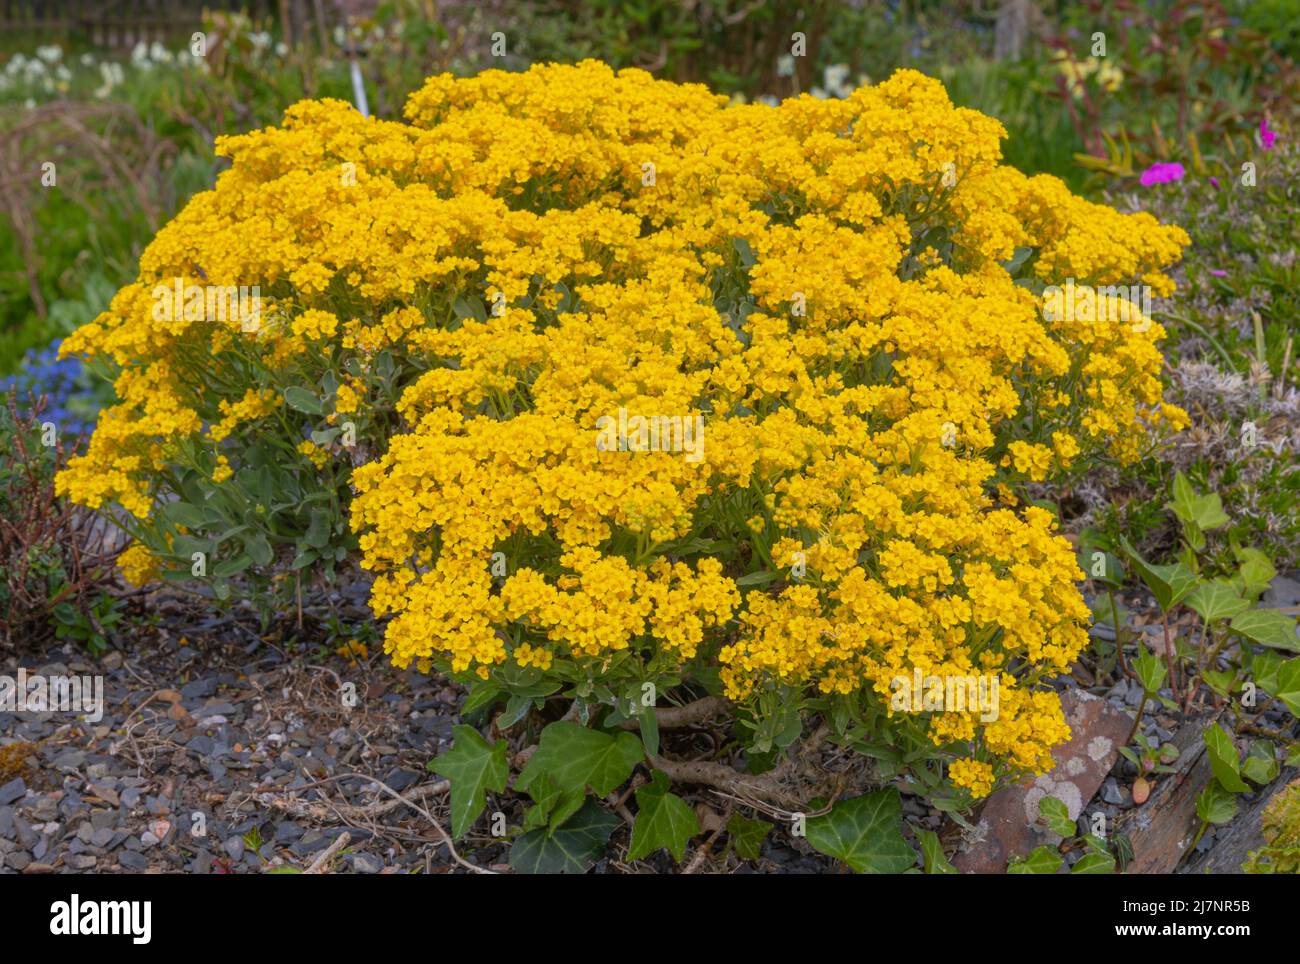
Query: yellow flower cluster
point(820, 286)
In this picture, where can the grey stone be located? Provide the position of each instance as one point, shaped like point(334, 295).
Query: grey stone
point(103, 818)
point(1111, 793)
point(366, 864)
point(13, 791)
point(234, 848)
point(399, 780)
point(27, 837)
point(69, 759)
point(132, 860)
point(18, 860)
point(199, 688)
point(285, 832)
point(6, 821)
point(1135, 693)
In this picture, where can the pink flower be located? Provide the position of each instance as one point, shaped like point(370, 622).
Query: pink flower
point(1266, 136)
point(1161, 173)
point(1218, 274)
point(1214, 181)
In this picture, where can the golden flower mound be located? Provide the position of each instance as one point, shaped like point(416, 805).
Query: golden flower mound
point(540, 255)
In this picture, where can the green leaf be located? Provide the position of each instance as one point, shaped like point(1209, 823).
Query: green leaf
point(1219, 599)
point(1169, 584)
point(1286, 687)
point(932, 856)
point(473, 766)
point(746, 836)
point(318, 530)
point(1057, 814)
point(649, 725)
point(482, 693)
point(516, 709)
point(301, 400)
point(1260, 765)
point(232, 567)
point(576, 757)
point(1255, 573)
point(663, 819)
point(1215, 804)
point(1268, 627)
point(1203, 511)
point(1150, 669)
point(1102, 566)
point(1041, 860)
point(864, 832)
point(1223, 759)
point(550, 805)
point(258, 549)
point(570, 849)
point(1094, 863)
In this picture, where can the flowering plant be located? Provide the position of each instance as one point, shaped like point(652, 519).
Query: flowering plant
point(629, 396)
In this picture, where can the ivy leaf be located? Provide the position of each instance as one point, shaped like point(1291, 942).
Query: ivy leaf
point(1094, 863)
point(1219, 599)
point(1286, 687)
point(1260, 765)
point(1169, 584)
point(663, 819)
point(1102, 566)
point(1057, 814)
point(1151, 672)
point(1041, 860)
point(1203, 511)
point(576, 757)
point(1223, 759)
point(1268, 627)
point(1255, 573)
point(1215, 804)
point(864, 832)
point(746, 836)
point(932, 856)
point(570, 849)
point(473, 766)
point(301, 400)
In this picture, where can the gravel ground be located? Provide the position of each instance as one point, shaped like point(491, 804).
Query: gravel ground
point(220, 751)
